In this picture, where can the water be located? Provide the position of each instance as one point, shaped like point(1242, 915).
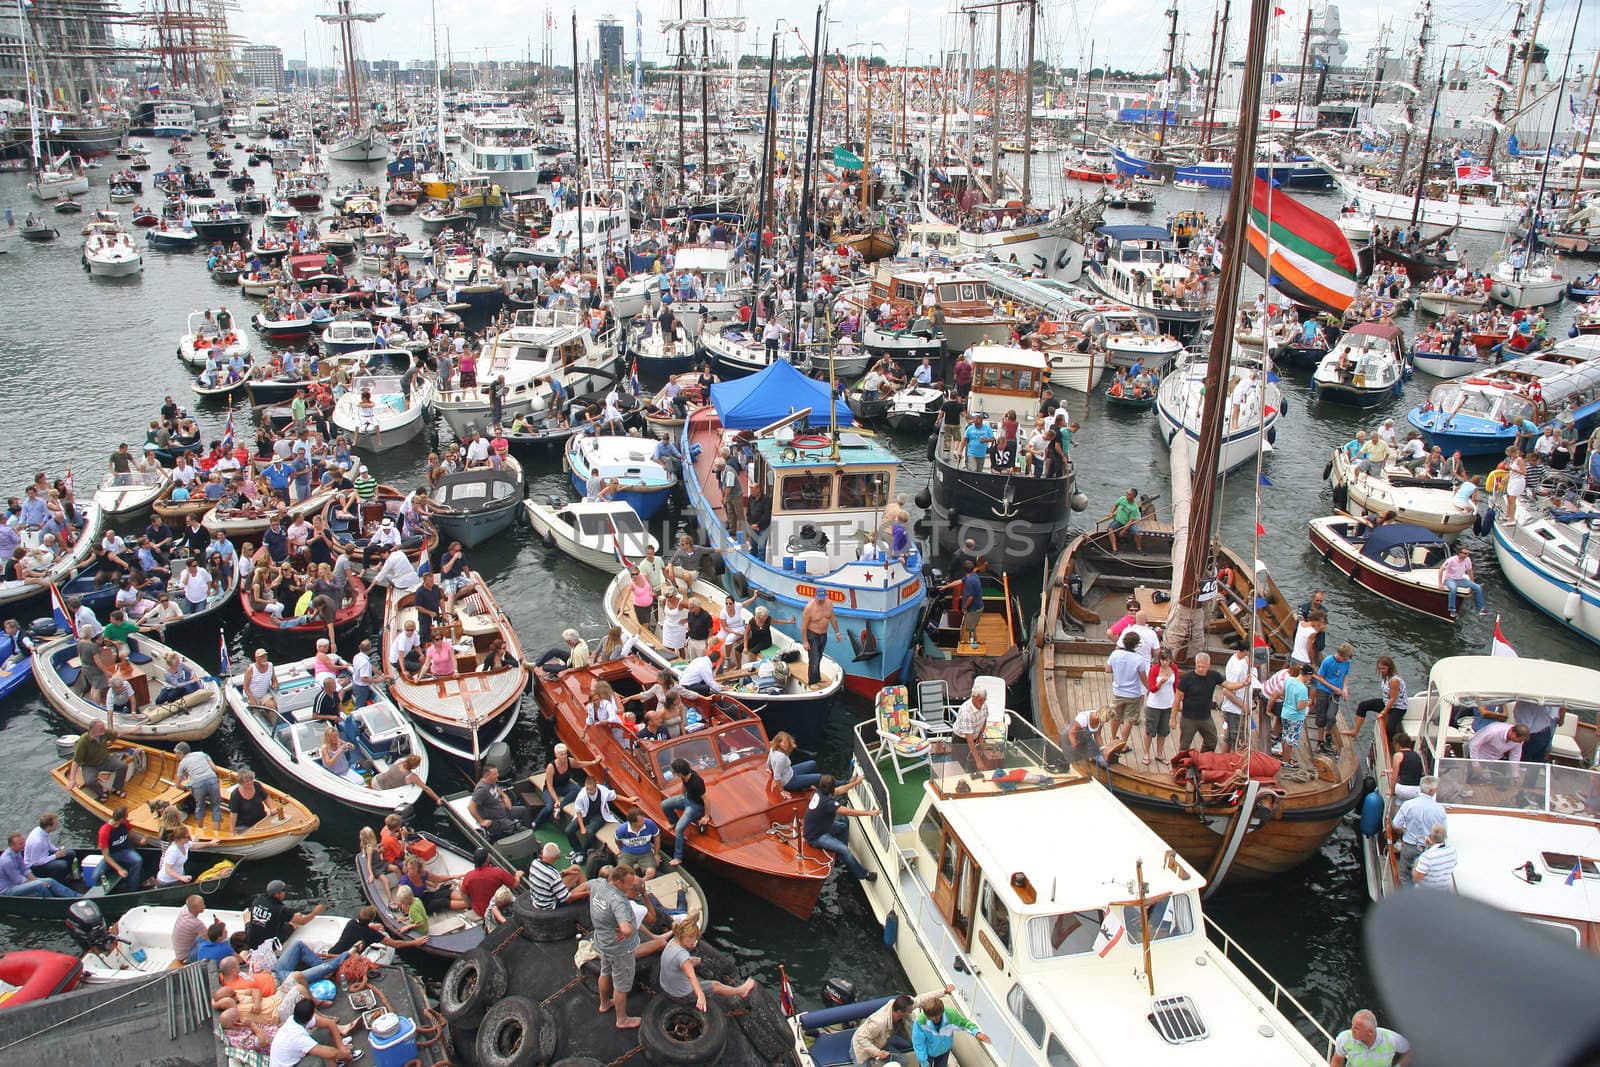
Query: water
point(86, 363)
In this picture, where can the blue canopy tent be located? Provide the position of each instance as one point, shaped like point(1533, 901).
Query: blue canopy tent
point(764, 398)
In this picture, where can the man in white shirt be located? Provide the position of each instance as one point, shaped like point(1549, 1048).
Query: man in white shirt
point(405, 650)
point(701, 676)
point(478, 451)
point(1149, 640)
point(361, 674)
point(398, 572)
point(1238, 682)
point(197, 588)
point(293, 1041)
point(83, 619)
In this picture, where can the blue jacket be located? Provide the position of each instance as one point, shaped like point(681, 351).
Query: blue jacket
point(928, 1041)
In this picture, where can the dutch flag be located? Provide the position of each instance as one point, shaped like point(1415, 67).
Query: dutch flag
point(227, 433)
point(58, 611)
point(223, 667)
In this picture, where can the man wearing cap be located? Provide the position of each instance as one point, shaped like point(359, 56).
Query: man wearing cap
point(480, 884)
point(366, 485)
point(270, 917)
point(977, 437)
point(815, 622)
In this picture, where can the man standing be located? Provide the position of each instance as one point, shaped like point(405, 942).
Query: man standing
point(1125, 515)
point(1127, 669)
point(1198, 687)
point(758, 516)
point(1416, 819)
point(1328, 690)
point(815, 621)
point(1455, 574)
point(1239, 680)
point(1366, 1044)
point(616, 936)
point(270, 917)
point(1542, 721)
point(969, 589)
point(977, 436)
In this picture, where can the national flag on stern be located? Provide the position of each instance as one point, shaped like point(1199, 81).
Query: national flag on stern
point(227, 433)
point(1111, 931)
point(1500, 646)
point(224, 668)
point(59, 612)
point(1310, 261)
point(785, 993)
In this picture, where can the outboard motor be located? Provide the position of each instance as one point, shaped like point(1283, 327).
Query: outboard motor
point(43, 629)
point(498, 755)
point(88, 927)
point(405, 811)
point(837, 991)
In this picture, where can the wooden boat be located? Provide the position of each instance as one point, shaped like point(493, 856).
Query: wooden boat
point(291, 739)
point(221, 385)
point(113, 898)
point(660, 414)
point(250, 523)
point(369, 515)
point(177, 512)
point(348, 614)
point(191, 718)
point(872, 245)
point(450, 933)
point(292, 823)
point(730, 753)
point(1397, 561)
point(1247, 833)
point(463, 713)
point(590, 530)
point(144, 940)
point(783, 704)
point(131, 493)
point(473, 505)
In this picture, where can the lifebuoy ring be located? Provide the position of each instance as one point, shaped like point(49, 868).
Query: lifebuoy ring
point(811, 441)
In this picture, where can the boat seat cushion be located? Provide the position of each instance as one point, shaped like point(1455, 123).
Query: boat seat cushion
point(70, 672)
point(475, 625)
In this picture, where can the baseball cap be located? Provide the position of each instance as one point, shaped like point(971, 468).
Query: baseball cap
point(277, 885)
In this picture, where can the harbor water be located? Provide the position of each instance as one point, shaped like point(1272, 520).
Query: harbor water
point(85, 364)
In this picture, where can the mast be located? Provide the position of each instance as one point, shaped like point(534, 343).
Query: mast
point(438, 87)
point(1215, 74)
point(1086, 80)
point(1555, 119)
point(1527, 55)
point(768, 146)
point(577, 134)
point(345, 20)
point(1500, 94)
point(994, 123)
point(682, 49)
point(1027, 108)
point(1300, 84)
point(1416, 86)
point(1202, 507)
point(33, 104)
point(1166, 79)
point(1427, 146)
point(817, 71)
point(705, 96)
point(866, 144)
point(1594, 106)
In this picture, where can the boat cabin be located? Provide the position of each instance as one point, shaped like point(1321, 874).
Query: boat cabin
point(930, 240)
point(914, 293)
point(539, 340)
point(714, 264)
point(1005, 378)
point(824, 510)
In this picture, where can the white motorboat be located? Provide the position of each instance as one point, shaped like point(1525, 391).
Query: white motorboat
point(1366, 367)
point(131, 492)
point(1144, 268)
point(1130, 336)
point(1534, 284)
point(1442, 302)
point(1095, 956)
point(212, 333)
point(632, 295)
point(108, 252)
point(1551, 555)
point(1418, 500)
point(603, 224)
point(1071, 369)
point(55, 564)
point(367, 146)
point(292, 740)
point(1254, 407)
point(643, 481)
point(594, 532)
point(144, 941)
point(194, 717)
point(720, 284)
point(915, 407)
point(346, 333)
point(384, 411)
point(62, 177)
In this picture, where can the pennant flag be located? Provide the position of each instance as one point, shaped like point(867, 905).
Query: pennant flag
point(1499, 646)
point(1111, 932)
point(1577, 873)
point(1261, 531)
point(1490, 71)
point(1310, 259)
point(224, 668)
point(1275, 78)
point(1278, 11)
point(1274, 113)
point(58, 611)
point(1264, 481)
point(785, 992)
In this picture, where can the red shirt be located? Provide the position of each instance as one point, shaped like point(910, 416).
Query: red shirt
point(480, 884)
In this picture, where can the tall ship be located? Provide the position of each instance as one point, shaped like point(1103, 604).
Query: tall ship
point(56, 53)
point(358, 138)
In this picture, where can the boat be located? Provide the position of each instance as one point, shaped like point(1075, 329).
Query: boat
point(1440, 302)
point(1522, 832)
point(401, 409)
point(347, 333)
point(828, 492)
point(1480, 207)
point(248, 521)
point(1017, 517)
point(1519, 284)
point(131, 492)
point(288, 823)
point(929, 305)
point(1144, 269)
point(1547, 554)
point(1289, 171)
point(33, 974)
point(597, 533)
point(62, 565)
point(1130, 337)
point(464, 713)
point(291, 739)
point(357, 529)
point(473, 505)
point(539, 344)
point(1479, 416)
point(211, 335)
point(1256, 831)
point(670, 405)
point(1083, 167)
point(108, 252)
point(914, 407)
point(645, 347)
point(1397, 561)
point(1254, 408)
point(111, 897)
point(736, 350)
point(1418, 500)
point(1057, 956)
point(347, 614)
point(62, 177)
point(451, 933)
point(644, 482)
point(191, 718)
point(604, 222)
point(722, 285)
point(1365, 368)
point(729, 752)
point(170, 237)
point(787, 703)
point(37, 231)
point(282, 325)
point(142, 945)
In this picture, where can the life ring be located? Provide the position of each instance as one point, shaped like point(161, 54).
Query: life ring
point(812, 441)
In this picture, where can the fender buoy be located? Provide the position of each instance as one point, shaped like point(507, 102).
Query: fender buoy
point(1327, 469)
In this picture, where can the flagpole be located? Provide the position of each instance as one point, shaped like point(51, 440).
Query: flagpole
point(1144, 925)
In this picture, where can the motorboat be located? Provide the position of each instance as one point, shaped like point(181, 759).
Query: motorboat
point(1131, 337)
point(643, 482)
point(1412, 498)
point(53, 564)
point(736, 350)
point(598, 533)
point(350, 611)
point(62, 177)
point(131, 492)
point(108, 252)
point(358, 526)
point(1366, 367)
point(1070, 368)
point(1144, 269)
point(194, 717)
point(172, 237)
point(1395, 560)
point(220, 380)
point(1255, 404)
point(956, 305)
point(451, 933)
point(211, 335)
point(474, 504)
point(602, 223)
point(914, 407)
point(380, 412)
point(462, 713)
point(720, 284)
point(347, 333)
point(217, 220)
point(1443, 301)
point(1519, 284)
point(292, 739)
point(283, 324)
point(112, 896)
point(1550, 554)
point(1481, 415)
point(647, 347)
point(244, 521)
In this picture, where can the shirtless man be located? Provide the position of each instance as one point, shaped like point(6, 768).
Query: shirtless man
point(815, 621)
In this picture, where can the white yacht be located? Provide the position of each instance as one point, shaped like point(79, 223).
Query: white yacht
point(1092, 953)
point(1254, 407)
point(503, 147)
point(108, 252)
point(1142, 267)
point(173, 119)
point(604, 225)
point(723, 283)
point(1551, 555)
point(1520, 283)
point(1130, 336)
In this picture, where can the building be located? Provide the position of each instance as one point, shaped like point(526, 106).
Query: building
point(262, 66)
point(610, 58)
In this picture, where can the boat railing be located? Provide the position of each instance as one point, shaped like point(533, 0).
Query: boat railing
point(1539, 788)
point(1299, 1014)
point(880, 825)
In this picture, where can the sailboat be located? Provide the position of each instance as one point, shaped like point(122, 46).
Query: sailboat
point(1230, 815)
point(360, 143)
point(63, 176)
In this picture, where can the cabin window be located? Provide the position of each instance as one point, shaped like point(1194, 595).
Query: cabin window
point(1565, 933)
point(869, 490)
point(806, 492)
point(994, 912)
point(1172, 917)
point(1069, 934)
point(931, 832)
point(1026, 1014)
point(950, 293)
point(571, 352)
point(698, 751)
point(1056, 1056)
point(949, 856)
point(740, 743)
point(907, 291)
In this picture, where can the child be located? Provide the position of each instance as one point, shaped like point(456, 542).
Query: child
point(1296, 698)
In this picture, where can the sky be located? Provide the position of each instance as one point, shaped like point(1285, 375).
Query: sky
point(1126, 34)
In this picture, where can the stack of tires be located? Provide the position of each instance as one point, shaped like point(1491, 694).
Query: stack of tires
point(518, 1001)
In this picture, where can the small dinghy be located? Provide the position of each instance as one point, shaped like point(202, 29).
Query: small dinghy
point(473, 505)
point(281, 326)
point(451, 931)
point(219, 380)
point(131, 492)
point(643, 482)
point(293, 741)
point(31, 974)
point(598, 533)
point(68, 206)
point(384, 411)
point(192, 717)
point(38, 232)
point(149, 789)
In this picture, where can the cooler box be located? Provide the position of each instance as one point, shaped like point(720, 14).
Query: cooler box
point(395, 1048)
point(423, 849)
point(89, 868)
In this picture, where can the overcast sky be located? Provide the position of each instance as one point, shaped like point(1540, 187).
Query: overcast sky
point(1128, 34)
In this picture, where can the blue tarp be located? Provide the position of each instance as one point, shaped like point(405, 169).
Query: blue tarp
point(1390, 534)
point(753, 402)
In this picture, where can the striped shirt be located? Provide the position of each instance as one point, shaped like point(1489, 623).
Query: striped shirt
point(545, 884)
point(1436, 866)
point(366, 486)
point(1386, 1048)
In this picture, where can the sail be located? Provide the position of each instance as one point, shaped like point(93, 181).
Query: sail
point(1310, 259)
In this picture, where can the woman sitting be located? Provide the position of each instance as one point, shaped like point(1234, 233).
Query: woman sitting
point(334, 755)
